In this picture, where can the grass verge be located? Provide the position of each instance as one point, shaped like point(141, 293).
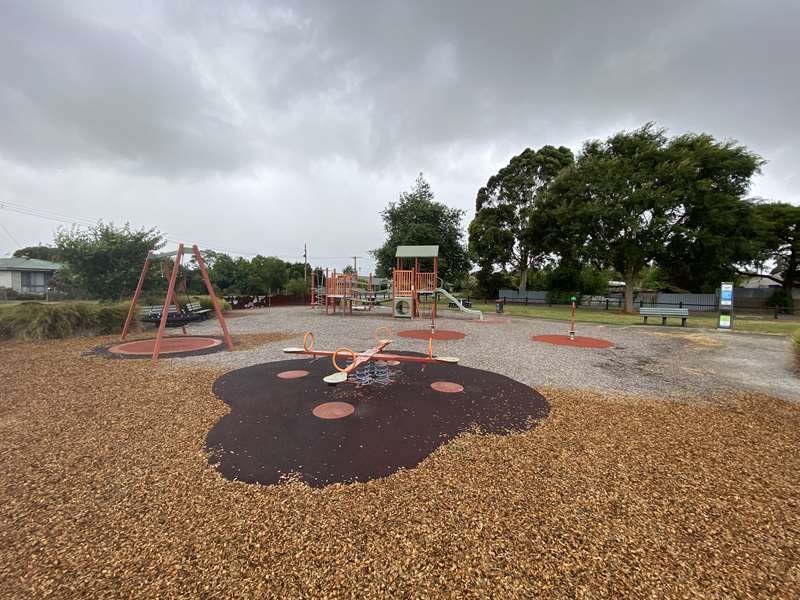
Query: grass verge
point(55, 320)
point(610, 317)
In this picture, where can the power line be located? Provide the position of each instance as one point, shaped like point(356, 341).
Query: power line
point(8, 233)
point(63, 218)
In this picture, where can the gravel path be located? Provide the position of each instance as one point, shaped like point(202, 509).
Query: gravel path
point(653, 361)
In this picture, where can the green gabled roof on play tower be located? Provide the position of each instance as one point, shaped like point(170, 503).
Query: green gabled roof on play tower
point(417, 251)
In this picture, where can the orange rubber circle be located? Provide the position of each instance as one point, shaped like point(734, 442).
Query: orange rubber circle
point(336, 353)
point(306, 347)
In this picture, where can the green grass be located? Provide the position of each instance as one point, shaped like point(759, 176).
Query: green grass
point(610, 317)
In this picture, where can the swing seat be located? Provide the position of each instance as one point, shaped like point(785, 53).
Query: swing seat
point(152, 314)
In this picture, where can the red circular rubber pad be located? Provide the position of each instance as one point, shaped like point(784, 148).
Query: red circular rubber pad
point(448, 387)
point(579, 341)
point(169, 345)
point(292, 374)
point(333, 410)
point(439, 334)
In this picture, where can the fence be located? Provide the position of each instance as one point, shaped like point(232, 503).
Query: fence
point(747, 299)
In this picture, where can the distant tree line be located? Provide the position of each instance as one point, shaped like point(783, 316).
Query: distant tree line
point(632, 205)
point(638, 206)
point(105, 261)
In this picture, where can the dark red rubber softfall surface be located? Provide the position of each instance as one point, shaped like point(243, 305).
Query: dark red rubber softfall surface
point(424, 334)
point(271, 430)
point(579, 341)
point(169, 345)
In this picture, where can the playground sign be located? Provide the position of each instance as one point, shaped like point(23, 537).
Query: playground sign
point(726, 306)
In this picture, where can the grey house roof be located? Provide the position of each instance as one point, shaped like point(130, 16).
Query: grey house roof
point(27, 264)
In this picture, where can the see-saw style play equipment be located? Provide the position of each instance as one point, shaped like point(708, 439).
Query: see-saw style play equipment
point(172, 307)
point(359, 359)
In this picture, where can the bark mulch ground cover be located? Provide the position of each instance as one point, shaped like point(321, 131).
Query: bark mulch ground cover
point(105, 492)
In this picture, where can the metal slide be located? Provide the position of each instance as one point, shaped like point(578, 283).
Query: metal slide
point(457, 302)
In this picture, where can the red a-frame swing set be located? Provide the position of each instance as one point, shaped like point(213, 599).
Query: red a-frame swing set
point(170, 298)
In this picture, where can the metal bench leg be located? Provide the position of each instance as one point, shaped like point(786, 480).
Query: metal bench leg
point(663, 320)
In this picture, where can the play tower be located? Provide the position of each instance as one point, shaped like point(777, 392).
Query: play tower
point(408, 284)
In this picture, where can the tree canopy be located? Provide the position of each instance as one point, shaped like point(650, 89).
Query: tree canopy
point(778, 258)
point(39, 252)
point(505, 211)
point(416, 219)
point(105, 260)
point(637, 198)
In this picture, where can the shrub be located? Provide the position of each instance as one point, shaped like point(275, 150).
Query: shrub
point(297, 287)
point(560, 297)
point(205, 301)
point(36, 320)
point(780, 299)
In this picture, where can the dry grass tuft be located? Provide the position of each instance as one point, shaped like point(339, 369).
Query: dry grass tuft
point(105, 492)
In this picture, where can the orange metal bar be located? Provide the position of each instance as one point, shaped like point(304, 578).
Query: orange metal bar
point(217, 309)
point(165, 309)
point(435, 293)
point(132, 309)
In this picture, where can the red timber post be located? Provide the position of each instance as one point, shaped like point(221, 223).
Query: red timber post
point(217, 308)
point(132, 309)
point(165, 309)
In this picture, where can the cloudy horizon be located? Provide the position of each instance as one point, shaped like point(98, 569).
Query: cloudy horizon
point(254, 128)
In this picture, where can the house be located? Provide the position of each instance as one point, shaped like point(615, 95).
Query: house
point(759, 282)
point(27, 275)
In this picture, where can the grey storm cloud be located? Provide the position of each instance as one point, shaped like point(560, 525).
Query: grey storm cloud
point(302, 97)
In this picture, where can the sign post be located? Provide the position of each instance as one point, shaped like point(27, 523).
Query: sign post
point(573, 299)
point(726, 305)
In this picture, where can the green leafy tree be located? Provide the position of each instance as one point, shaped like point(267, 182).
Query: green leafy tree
point(416, 219)
point(266, 273)
point(297, 287)
point(106, 260)
point(778, 225)
point(715, 229)
point(39, 252)
point(505, 212)
point(630, 197)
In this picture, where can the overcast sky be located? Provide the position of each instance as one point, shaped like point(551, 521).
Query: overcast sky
point(254, 127)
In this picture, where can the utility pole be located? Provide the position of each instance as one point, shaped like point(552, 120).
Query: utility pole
point(355, 264)
point(305, 262)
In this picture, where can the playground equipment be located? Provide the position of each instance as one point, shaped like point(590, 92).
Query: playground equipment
point(361, 359)
point(171, 300)
point(409, 284)
point(346, 290)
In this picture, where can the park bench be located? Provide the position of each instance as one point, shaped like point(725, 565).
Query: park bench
point(464, 303)
point(665, 313)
